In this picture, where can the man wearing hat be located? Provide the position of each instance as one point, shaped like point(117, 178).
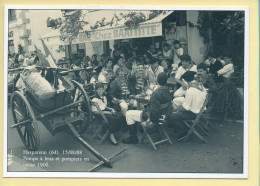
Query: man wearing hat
point(161, 104)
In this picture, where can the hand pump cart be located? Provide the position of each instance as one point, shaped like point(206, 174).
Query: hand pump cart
point(69, 108)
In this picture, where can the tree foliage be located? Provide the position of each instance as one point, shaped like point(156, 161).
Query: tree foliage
point(72, 23)
point(216, 25)
point(227, 102)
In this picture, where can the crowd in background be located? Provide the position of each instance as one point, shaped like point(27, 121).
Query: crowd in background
point(115, 80)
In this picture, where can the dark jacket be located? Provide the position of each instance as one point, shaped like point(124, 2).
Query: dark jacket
point(214, 68)
point(161, 103)
point(133, 84)
point(115, 90)
point(210, 84)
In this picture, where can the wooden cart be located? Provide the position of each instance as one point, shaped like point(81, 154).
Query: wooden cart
point(67, 109)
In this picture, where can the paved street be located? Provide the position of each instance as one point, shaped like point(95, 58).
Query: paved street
point(223, 153)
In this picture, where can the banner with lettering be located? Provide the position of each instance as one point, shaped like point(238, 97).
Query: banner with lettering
point(147, 30)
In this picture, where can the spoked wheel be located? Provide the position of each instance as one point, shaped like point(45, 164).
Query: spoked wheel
point(22, 111)
point(82, 109)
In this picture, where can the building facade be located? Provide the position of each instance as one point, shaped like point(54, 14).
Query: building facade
point(26, 27)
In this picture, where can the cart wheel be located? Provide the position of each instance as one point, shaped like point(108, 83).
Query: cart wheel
point(83, 109)
point(22, 111)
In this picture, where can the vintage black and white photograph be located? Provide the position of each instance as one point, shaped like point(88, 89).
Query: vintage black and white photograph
point(126, 92)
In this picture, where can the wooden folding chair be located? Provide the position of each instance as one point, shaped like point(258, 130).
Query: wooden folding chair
point(159, 132)
point(192, 124)
point(102, 130)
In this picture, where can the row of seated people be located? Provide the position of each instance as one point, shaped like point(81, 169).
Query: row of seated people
point(185, 103)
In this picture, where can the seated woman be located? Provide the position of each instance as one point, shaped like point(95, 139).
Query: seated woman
point(161, 104)
point(115, 119)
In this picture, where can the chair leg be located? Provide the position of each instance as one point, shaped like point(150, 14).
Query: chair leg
point(192, 130)
point(165, 133)
point(199, 136)
point(203, 130)
point(97, 131)
point(149, 138)
point(188, 133)
point(104, 137)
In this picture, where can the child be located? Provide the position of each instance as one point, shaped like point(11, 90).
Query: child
point(115, 121)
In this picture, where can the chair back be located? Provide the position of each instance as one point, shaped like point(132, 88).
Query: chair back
point(100, 112)
point(203, 107)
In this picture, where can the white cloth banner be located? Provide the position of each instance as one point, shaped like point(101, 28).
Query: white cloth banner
point(146, 30)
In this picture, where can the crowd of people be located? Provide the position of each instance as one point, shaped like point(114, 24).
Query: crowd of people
point(127, 73)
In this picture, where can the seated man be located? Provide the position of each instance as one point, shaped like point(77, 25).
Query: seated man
point(94, 78)
point(160, 104)
point(177, 101)
point(193, 101)
point(138, 78)
point(115, 120)
point(177, 51)
point(215, 65)
point(227, 70)
point(206, 79)
point(118, 90)
point(187, 65)
point(120, 64)
point(154, 70)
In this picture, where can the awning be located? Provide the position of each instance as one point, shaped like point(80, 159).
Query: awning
point(148, 28)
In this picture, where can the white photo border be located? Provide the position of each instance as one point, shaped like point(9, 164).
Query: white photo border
point(243, 175)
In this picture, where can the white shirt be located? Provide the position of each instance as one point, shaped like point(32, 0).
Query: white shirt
point(115, 68)
point(26, 62)
point(194, 99)
point(227, 70)
point(167, 54)
point(152, 76)
point(93, 81)
point(181, 71)
point(102, 104)
point(102, 78)
point(176, 59)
